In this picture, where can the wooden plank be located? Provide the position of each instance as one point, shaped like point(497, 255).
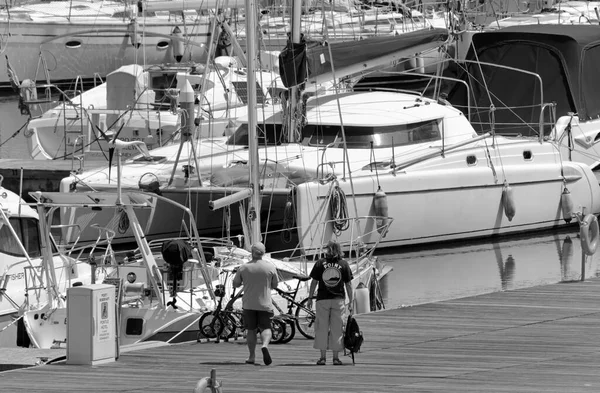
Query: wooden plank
point(541, 339)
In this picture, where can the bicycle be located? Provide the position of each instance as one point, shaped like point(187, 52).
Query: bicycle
point(226, 322)
point(303, 316)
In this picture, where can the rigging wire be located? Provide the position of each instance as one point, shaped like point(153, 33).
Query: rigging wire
point(15, 133)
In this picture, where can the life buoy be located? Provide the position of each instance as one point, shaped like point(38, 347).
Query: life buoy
point(205, 386)
point(589, 233)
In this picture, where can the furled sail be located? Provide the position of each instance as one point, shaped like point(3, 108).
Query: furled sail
point(312, 62)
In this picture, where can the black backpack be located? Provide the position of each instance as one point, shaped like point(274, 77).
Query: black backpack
point(353, 337)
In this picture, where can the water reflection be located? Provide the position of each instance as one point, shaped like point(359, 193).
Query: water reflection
point(460, 270)
point(507, 271)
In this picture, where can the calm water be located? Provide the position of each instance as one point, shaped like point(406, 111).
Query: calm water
point(432, 274)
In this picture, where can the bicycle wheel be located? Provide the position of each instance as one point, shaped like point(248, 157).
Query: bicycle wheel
point(277, 330)
point(211, 325)
point(290, 330)
point(305, 319)
point(232, 322)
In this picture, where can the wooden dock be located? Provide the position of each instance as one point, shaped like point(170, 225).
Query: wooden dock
point(541, 339)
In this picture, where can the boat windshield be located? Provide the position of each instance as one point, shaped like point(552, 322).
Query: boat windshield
point(269, 134)
point(28, 233)
point(365, 137)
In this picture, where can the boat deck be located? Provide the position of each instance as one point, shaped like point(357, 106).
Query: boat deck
point(541, 339)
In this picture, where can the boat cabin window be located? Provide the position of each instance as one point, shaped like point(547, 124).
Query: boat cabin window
point(269, 134)
point(152, 158)
point(28, 233)
point(360, 137)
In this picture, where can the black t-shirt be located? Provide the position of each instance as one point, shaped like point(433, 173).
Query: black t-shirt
point(332, 275)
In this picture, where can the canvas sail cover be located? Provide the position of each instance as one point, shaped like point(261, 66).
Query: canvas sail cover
point(312, 61)
point(564, 56)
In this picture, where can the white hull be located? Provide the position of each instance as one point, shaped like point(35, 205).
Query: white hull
point(20, 276)
point(92, 47)
point(158, 325)
point(461, 201)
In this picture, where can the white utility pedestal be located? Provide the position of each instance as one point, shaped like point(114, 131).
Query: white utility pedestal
point(91, 325)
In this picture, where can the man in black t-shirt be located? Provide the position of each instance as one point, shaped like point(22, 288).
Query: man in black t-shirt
point(334, 277)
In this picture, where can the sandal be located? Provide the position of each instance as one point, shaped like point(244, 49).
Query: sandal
point(337, 362)
point(321, 362)
point(266, 356)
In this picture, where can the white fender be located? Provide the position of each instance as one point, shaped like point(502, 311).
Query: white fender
point(177, 44)
point(381, 210)
point(417, 64)
point(134, 35)
point(361, 299)
point(566, 204)
point(508, 202)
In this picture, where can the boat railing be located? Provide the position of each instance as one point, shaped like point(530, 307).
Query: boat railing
point(58, 231)
point(67, 274)
point(81, 157)
point(330, 164)
point(447, 78)
point(552, 115)
point(103, 245)
point(540, 129)
point(472, 65)
point(475, 113)
point(400, 165)
point(100, 253)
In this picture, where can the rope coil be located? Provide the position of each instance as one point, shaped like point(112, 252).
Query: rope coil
point(339, 210)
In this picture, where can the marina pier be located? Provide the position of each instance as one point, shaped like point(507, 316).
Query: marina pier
point(539, 339)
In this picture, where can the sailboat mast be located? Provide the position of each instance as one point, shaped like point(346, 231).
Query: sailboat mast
point(293, 120)
point(253, 163)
